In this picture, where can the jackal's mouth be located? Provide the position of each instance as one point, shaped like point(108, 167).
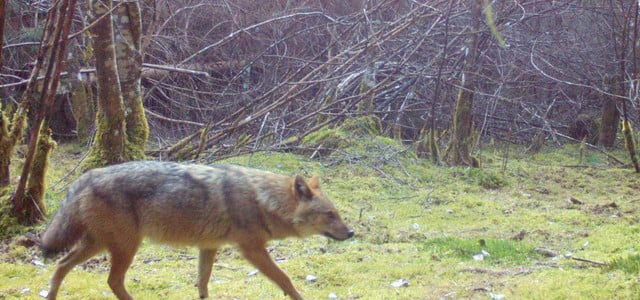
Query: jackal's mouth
point(342, 238)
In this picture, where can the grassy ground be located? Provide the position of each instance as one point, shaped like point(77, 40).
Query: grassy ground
point(529, 227)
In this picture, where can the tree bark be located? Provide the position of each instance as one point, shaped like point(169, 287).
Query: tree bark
point(122, 129)
point(6, 148)
point(5, 154)
point(110, 137)
point(128, 21)
point(610, 118)
point(27, 202)
point(610, 115)
point(458, 151)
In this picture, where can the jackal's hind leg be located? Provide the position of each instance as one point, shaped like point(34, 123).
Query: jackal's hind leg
point(84, 249)
point(205, 265)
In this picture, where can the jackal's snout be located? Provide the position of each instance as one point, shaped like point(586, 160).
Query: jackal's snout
point(336, 228)
point(347, 235)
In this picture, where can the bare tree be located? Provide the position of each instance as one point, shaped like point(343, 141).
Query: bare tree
point(223, 78)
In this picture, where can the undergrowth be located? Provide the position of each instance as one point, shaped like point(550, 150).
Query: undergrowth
point(8, 223)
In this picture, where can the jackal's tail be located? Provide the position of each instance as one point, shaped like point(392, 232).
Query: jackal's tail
point(64, 231)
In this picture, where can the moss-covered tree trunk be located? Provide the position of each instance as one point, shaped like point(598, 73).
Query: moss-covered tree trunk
point(36, 186)
point(610, 115)
point(6, 148)
point(458, 151)
point(83, 109)
point(10, 134)
point(128, 21)
point(28, 206)
point(110, 137)
point(121, 129)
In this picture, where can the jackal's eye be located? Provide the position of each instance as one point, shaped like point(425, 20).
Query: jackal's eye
point(331, 215)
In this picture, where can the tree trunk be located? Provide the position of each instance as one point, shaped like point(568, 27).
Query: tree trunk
point(27, 201)
point(3, 8)
point(5, 154)
point(37, 186)
point(610, 115)
point(11, 132)
point(610, 119)
point(6, 148)
point(129, 57)
point(110, 137)
point(83, 109)
point(122, 130)
point(458, 151)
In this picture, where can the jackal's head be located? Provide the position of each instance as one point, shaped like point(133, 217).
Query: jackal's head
point(315, 214)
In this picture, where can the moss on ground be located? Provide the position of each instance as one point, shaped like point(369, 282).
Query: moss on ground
point(414, 221)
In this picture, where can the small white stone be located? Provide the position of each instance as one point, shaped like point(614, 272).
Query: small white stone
point(400, 283)
point(37, 263)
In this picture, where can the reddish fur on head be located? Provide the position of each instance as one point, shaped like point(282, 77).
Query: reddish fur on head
point(315, 213)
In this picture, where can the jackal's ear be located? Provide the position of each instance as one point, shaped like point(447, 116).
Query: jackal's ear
point(301, 189)
point(314, 182)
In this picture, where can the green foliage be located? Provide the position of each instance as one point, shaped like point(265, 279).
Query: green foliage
point(486, 178)
point(330, 137)
point(327, 137)
point(362, 126)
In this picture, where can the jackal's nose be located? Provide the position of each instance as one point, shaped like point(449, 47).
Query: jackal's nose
point(350, 233)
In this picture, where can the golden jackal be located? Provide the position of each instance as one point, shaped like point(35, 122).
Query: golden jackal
point(113, 208)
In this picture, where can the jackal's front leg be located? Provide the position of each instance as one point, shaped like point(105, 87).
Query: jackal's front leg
point(205, 264)
point(260, 258)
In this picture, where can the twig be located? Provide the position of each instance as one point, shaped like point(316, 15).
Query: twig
point(593, 262)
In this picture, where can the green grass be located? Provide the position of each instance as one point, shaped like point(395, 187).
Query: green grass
point(493, 251)
point(413, 221)
point(629, 264)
